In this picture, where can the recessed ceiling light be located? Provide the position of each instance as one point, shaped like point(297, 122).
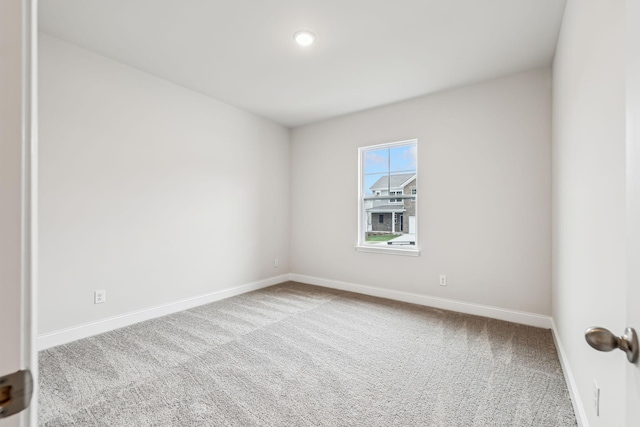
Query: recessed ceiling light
point(304, 37)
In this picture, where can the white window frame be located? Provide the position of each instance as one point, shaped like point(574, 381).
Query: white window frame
point(361, 245)
point(396, 193)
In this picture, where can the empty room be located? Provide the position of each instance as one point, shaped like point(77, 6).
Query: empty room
point(320, 213)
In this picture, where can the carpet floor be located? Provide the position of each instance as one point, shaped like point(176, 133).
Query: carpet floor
point(300, 355)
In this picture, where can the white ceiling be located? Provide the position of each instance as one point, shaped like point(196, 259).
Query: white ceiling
point(367, 52)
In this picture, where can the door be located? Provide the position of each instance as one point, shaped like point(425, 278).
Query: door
point(16, 350)
point(633, 202)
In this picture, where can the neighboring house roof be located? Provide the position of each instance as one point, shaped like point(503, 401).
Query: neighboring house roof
point(397, 181)
point(387, 208)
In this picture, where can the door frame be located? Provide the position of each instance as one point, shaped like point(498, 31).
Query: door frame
point(632, 372)
point(18, 34)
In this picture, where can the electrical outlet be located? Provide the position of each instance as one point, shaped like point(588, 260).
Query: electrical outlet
point(276, 263)
point(596, 398)
point(443, 280)
point(100, 296)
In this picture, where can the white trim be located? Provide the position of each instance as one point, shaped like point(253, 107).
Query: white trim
point(68, 335)
point(378, 209)
point(31, 196)
point(387, 250)
point(578, 406)
point(515, 316)
point(391, 144)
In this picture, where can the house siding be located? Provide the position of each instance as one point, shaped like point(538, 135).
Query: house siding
point(409, 205)
point(387, 224)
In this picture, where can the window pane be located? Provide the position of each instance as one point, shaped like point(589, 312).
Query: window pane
point(376, 161)
point(403, 159)
point(375, 184)
point(387, 173)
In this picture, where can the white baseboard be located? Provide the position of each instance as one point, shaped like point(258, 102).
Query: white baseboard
point(68, 335)
point(515, 316)
point(578, 406)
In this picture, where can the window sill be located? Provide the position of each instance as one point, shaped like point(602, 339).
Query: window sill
point(388, 251)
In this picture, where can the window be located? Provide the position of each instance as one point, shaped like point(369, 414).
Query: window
point(388, 190)
point(395, 193)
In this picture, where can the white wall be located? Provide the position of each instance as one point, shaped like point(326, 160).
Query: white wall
point(150, 191)
point(484, 187)
point(589, 196)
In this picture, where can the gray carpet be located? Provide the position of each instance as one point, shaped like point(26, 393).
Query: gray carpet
point(299, 355)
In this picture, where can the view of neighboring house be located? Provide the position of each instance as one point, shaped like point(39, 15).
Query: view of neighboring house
point(389, 214)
